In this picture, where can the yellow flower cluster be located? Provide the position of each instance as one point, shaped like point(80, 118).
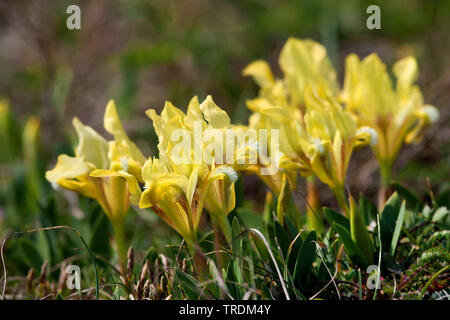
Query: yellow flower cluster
point(320, 124)
point(180, 184)
point(108, 171)
point(176, 186)
point(318, 127)
point(397, 114)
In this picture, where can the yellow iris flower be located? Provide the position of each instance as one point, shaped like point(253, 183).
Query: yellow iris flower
point(190, 181)
point(108, 171)
point(330, 137)
point(177, 199)
point(398, 114)
point(316, 135)
point(281, 102)
point(303, 63)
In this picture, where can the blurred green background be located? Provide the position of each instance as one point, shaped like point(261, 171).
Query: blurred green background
point(141, 53)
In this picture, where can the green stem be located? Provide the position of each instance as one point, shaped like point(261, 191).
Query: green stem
point(424, 290)
point(385, 173)
point(119, 236)
point(198, 258)
point(359, 284)
point(339, 193)
point(222, 224)
point(222, 230)
point(385, 180)
point(313, 213)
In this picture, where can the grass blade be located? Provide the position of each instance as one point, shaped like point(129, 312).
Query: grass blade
point(398, 228)
point(261, 236)
point(379, 258)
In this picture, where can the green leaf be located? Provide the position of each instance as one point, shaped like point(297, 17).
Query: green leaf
point(335, 217)
point(282, 201)
point(213, 286)
point(440, 214)
point(388, 220)
point(305, 256)
point(49, 243)
point(368, 209)
point(290, 227)
point(359, 233)
point(262, 250)
point(294, 249)
point(30, 254)
point(43, 246)
point(236, 247)
point(99, 242)
point(398, 228)
point(426, 212)
point(188, 284)
point(231, 281)
point(236, 244)
point(355, 254)
point(282, 237)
